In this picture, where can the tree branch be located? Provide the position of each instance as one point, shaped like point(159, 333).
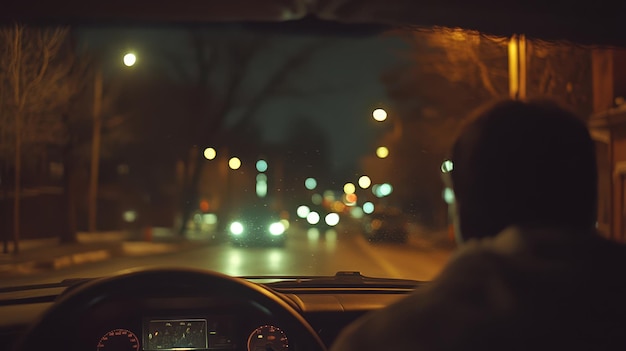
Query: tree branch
point(276, 81)
point(484, 73)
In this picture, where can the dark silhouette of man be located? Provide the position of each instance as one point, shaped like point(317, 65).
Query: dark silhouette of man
point(531, 272)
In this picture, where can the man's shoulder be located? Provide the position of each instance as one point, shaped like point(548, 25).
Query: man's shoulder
point(515, 274)
point(460, 295)
point(479, 260)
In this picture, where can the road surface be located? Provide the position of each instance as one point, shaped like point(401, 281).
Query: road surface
point(307, 252)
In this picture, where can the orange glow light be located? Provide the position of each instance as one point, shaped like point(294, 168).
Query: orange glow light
point(204, 206)
point(351, 198)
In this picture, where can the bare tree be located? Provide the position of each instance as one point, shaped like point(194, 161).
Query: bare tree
point(557, 70)
point(445, 74)
point(463, 57)
point(451, 72)
point(33, 75)
point(232, 58)
point(561, 71)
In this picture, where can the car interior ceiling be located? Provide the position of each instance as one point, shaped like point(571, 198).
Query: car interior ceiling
point(588, 23)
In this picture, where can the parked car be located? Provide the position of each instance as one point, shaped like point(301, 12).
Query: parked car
point(388, 225)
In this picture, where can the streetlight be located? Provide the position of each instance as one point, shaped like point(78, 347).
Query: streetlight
point(129, 60)
point(379, 114)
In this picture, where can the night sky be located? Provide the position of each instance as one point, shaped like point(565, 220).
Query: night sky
point(337, 88)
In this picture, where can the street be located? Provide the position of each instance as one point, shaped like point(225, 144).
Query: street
point(307, 252)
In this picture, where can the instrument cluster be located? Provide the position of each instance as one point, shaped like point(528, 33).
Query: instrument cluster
point(182, 327)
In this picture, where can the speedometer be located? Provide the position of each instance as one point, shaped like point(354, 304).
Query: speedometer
point(118, 340)
point(268, 337)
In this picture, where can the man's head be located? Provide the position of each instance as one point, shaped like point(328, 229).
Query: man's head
point(530, 164)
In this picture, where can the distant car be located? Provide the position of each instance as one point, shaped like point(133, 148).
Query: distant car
point(321, 218)
point(387, 226)
point(257, 225)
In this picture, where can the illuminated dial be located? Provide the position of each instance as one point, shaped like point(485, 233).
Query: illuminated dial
point(268, 338)
point(118, 340)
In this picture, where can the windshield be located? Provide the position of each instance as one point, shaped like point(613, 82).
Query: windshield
point(301, 148)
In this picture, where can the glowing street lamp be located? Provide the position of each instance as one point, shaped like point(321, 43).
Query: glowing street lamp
point(130, 59)
point(98, 82)
point(379, 114)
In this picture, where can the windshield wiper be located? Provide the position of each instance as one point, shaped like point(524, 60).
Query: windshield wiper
point(341, 279)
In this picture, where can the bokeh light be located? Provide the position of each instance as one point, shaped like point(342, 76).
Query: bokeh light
point(130, 59)
point(382, 152)
point(365, 182)
point(234, 163)
point(210, 153)
point(379, 114)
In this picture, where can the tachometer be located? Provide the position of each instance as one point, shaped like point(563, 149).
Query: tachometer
point(118, 340)
point(268, 338)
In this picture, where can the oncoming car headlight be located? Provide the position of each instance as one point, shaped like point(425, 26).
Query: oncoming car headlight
point(277, 228)
point(236, 228)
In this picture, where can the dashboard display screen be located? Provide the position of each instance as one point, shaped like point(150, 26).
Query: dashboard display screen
point(176, 334)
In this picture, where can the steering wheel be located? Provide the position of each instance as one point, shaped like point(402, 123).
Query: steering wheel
point(57, 323)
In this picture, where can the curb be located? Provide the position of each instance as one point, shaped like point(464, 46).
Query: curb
point(58, 262)
point(122, 249)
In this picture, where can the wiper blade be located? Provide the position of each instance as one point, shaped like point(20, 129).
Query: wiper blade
point(66, 283)
point(340, 279)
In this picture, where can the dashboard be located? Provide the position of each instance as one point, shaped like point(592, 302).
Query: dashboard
point(177, 319)
point(187, 323)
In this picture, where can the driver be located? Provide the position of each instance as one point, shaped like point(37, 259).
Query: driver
point(531, 272)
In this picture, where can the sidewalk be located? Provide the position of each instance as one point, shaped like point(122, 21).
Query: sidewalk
point(429, 239)
point(38, 255)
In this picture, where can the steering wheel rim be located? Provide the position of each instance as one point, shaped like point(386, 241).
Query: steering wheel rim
point(69, 307)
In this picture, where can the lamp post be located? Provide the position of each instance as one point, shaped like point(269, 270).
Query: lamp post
point(129, 60)
point(517, 66)
point(382, 152)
